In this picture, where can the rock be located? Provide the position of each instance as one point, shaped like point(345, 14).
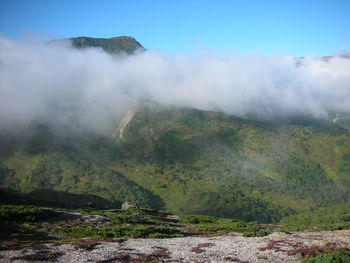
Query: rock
point(90, 219)
point(129, 204)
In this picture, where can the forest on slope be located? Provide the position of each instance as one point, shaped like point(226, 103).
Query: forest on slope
point(189, 161)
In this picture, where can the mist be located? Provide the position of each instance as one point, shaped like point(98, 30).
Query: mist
point(90, 90)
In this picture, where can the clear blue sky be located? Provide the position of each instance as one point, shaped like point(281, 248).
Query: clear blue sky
point(290, 27)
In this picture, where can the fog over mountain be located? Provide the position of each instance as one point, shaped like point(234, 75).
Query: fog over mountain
point(89, 89)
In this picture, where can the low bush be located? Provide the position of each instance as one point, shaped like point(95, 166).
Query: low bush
point(225, 227)
point(202, 219)
point(137, 231)
point(332, 257)
point(131, 216)
point(197, 219)
point(23, 213)
point(259, 232)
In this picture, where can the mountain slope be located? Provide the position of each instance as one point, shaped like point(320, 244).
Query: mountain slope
point(42, 161)
point(184, 160)
point(196, 159)
point(191, 161)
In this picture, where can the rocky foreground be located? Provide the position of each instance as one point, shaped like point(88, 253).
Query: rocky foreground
point(276, 247)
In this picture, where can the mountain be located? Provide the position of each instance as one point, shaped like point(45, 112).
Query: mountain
point(184, 160)
point(190, 161)
point(114, 45)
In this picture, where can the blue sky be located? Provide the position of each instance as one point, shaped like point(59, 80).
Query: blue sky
point(296, 27)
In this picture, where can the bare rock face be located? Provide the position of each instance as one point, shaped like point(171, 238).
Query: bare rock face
point(122, 125)
point(129, 204)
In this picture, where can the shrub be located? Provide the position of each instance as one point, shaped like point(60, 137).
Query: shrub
point(202, 219)
point(131, 216)
point(225, 227)
point(197, 219)
point(259, 232)
point(332, 257)
point(23, 213)
point(136, 231)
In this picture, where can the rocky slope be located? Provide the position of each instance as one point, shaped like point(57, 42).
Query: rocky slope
point(277, 247)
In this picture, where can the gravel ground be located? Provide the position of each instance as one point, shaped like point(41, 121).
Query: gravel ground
point(277, 247)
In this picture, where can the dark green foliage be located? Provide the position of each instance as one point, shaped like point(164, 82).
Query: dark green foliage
point(331, 218)
point(24, 213)
point(217, 225)
point(259, 232)
point(137, 231)
point(345, 163)
point(51, 198)
point(132, 216)
point(198, 219)
point(69, 200)
point(232, 200)
point(225, 227)
point(307, 180)
point(332, 257)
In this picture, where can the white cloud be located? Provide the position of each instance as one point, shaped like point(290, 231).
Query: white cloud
point(89, 89)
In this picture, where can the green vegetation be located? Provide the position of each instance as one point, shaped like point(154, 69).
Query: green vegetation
point(260, 232)
point(133, 216)
point(186, 161)
point(332, 257)
point(23, 213)
point(39, 223)
point(326, 218)
point(201, 219)
point(21, 224)
point(137, 231)
point(216, 225)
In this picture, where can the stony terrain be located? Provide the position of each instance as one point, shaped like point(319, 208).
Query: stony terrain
point(276, 247)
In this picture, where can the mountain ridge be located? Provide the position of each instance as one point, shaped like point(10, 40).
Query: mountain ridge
point(113, 45)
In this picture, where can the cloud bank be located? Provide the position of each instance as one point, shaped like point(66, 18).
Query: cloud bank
point(90, 89)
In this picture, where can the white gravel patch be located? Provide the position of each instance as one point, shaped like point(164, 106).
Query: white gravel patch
point(277, 247)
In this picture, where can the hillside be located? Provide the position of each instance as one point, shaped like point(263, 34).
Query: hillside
point(189, 161)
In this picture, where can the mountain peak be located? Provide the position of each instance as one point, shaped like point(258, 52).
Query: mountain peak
point(115, 45)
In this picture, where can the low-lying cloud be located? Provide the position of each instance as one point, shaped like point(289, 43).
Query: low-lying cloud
point(90, 89)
